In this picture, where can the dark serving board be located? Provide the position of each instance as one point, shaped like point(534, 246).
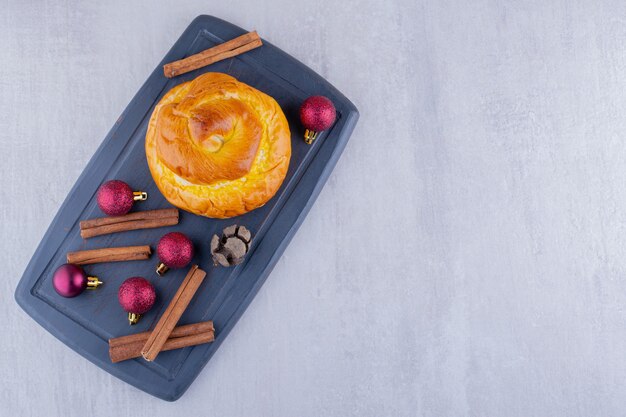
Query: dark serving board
point(85, 323)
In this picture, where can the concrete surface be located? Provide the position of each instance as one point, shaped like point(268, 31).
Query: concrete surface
point(465, 258)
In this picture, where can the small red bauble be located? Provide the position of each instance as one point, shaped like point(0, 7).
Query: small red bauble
point(175, 250)
point(136, 296)
point(317, 113)
point(70, 280)
point(116, 198)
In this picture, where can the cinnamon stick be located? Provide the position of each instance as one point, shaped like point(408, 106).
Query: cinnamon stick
point(229, 49)
point(132, 221)
point(126, 253)
point(170, 317)
point(129, 347)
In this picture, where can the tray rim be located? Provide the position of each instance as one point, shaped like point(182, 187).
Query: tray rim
point(28, 301)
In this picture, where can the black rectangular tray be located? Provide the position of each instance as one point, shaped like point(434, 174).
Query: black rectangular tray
point(85, 323)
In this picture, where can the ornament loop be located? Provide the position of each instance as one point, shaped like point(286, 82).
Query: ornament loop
point(309, 136)
point(140, 195)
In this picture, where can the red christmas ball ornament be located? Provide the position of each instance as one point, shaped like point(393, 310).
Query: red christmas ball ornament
point(70, 280)
point(175, 250)
point(136, 296)
point(116, 198)
point(317, 113)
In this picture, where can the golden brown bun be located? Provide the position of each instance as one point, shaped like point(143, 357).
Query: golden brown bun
point(218, 147)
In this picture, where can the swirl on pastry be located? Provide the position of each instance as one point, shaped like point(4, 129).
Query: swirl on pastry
point(218, 147)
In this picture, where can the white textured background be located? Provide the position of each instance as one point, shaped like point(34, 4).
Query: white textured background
point(466, 257)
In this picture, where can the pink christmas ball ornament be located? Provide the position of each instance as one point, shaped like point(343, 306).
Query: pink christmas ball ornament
point(116, 198)
point(136, 296)
point(175, 250)
point(70, 280)
point(317, 113)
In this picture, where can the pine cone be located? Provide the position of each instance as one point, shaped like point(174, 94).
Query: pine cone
point(232, 247)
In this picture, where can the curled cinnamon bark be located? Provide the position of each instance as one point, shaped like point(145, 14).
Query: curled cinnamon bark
point(234, 47)
point(121, 254)
point(170, 317)
point(129, 347)
point(133, 221)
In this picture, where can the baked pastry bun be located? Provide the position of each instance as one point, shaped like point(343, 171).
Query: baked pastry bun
point(218, 147)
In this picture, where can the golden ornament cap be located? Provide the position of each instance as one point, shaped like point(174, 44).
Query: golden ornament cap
point(161, 269)
point(93, 283)
point(309, 136)
point(140, 195)
point(133, 318)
